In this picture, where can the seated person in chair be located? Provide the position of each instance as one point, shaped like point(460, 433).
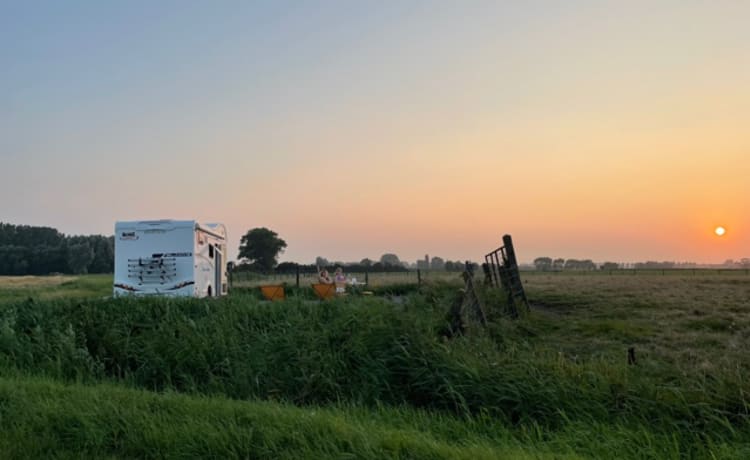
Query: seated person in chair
point(324, 277)
point(340, 280)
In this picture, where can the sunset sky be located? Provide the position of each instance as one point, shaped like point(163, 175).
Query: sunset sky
point(616, 131)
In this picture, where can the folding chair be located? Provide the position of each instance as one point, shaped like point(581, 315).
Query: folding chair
point(273, 292)
point(324, 291)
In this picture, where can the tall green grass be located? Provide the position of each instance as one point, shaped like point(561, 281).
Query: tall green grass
point(360, 351)
point(41, 418)
point(387, 360)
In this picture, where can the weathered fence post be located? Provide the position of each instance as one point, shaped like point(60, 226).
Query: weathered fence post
point(230, 270)
point(631, 356)
point(509, 250)
point(297, 267)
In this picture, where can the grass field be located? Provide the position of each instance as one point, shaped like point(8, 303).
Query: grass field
point(84, 375)
point(14, 288)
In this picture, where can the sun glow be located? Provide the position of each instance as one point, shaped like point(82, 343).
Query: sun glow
point(720, 231)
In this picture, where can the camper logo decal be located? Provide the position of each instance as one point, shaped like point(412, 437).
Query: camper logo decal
point(128, 236)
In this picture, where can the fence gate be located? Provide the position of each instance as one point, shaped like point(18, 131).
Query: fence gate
point(501, 271)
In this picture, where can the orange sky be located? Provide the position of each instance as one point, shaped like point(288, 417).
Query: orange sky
point(596, 130)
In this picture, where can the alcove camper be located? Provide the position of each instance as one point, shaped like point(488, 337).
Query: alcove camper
point(170, 257)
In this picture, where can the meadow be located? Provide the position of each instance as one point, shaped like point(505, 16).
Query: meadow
point(83, 375)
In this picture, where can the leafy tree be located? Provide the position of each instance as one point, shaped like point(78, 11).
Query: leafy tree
point(104, 254)
point(437, 263)
point(322, 262)
point(610, 266)
point(543, 263)
point(366, 262)
point(558, 264)
point(651, 264)
point(575, 264)
point(26, 250)
point(390, 259)
point(260, 248)
point(80, 256)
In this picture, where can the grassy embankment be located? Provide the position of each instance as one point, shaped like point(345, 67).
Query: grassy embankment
point(380, 377)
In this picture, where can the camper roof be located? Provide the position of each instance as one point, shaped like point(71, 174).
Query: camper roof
point(215, 229)
point(163, 223)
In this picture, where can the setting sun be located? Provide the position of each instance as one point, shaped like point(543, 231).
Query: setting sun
point(720, 231)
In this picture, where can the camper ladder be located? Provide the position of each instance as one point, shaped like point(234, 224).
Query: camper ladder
point(151, 270)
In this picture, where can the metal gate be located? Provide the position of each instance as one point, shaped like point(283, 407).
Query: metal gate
point(501, 270)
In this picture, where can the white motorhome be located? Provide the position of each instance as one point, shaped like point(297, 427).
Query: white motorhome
point(170, 257)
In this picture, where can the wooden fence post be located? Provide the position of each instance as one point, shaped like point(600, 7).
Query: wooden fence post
point(231, 277)
point(297, 266)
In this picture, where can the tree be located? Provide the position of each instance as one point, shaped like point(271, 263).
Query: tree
point(104, 254)
point(390, 259)
point(366, 262)
point(610, 266)
point(80, 256)
point(260, 248)
point(543, 263)
point(558, 264)
point(572, 264)
point(437, 263)
point(26, 250)
point(575, 264)
point(322, 262)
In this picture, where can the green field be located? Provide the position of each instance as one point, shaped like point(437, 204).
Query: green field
point(82, 375)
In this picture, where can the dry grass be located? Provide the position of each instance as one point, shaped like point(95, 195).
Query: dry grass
point(698, 322)
point(16, 282)
point(14, 288)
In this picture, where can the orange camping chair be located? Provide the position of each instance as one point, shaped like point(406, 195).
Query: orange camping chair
point(273, 292)
point(324, 291)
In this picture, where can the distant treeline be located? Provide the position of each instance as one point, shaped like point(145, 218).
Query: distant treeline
point(550, 264)
point(27, 250)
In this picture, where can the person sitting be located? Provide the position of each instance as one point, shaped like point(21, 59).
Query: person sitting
point(340, 280)
point(324, 277)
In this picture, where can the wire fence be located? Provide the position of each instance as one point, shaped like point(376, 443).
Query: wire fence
point(246, 279)
point(372, 279)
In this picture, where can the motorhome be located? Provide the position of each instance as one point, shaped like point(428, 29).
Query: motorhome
point(170, 257)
